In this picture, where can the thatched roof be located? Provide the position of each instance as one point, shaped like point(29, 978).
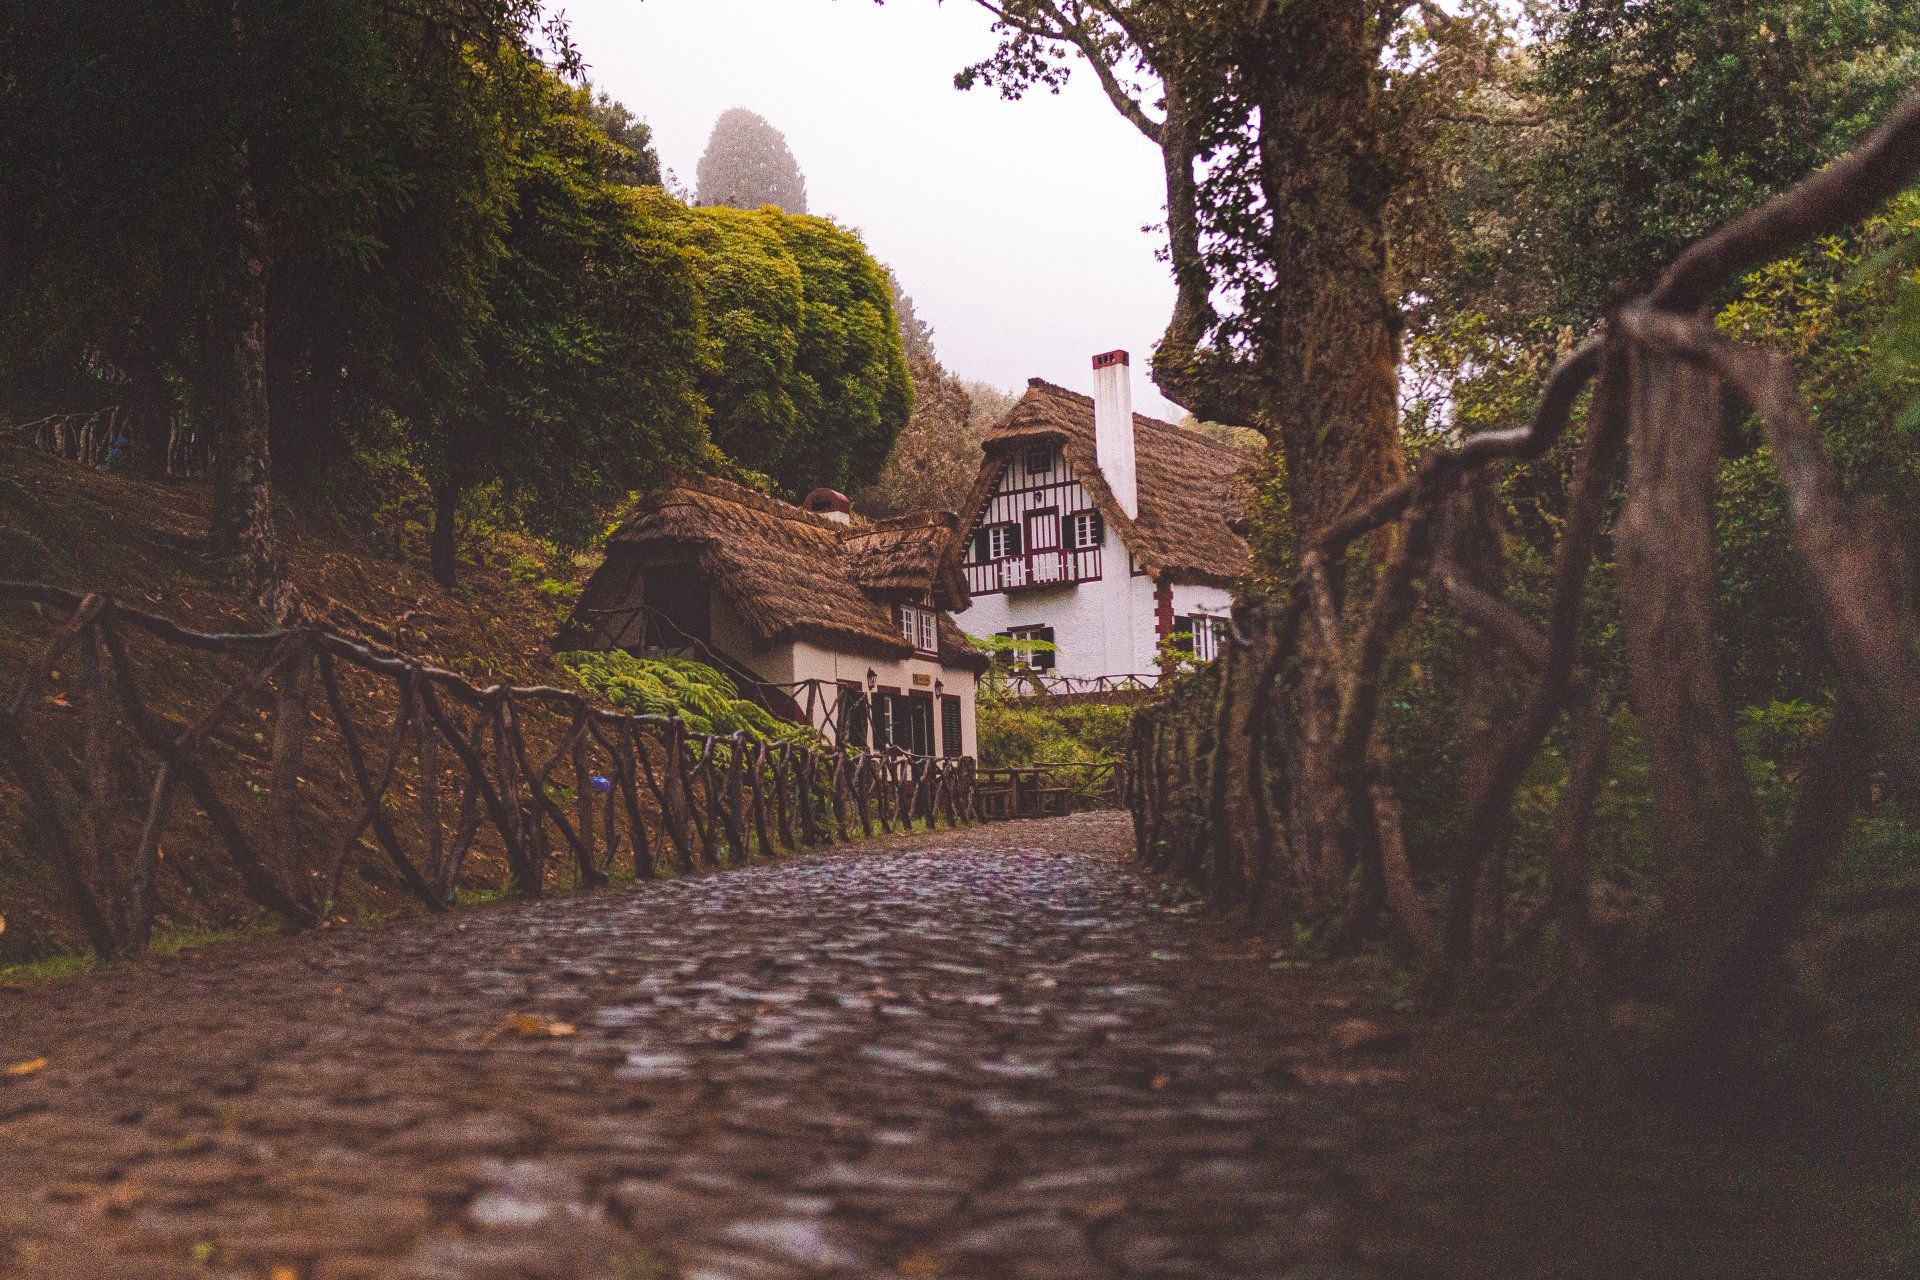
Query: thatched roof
point(1194, 490)
point(791, 574)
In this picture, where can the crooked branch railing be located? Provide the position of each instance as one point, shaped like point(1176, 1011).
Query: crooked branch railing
point(1281, 786)
point(1044, 790)
point(1046, 684)
point(434, 765)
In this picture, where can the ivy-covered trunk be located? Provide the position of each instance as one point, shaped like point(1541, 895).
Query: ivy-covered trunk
point(1327, 334)
point(1328, 330)
point(242, 520)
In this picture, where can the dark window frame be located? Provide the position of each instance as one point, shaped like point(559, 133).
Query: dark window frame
point(1094, 521)
point(953, 741)
point(932, 616)
point(1036, 631)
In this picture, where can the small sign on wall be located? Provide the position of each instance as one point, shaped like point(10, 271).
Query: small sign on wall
point(922, 681)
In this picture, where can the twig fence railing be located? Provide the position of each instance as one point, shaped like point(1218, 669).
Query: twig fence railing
point(1045, 684)
point(96, 437)
point(1278, 787)
point(1047, 790)
point(432, 766)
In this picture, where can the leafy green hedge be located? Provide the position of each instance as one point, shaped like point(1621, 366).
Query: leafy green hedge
point(664, 686)
point(1015, 734)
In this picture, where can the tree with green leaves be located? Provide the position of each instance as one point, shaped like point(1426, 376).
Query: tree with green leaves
point(584, 382)
point(1285, 131)
point(165, 165)
point(640, 167)
point(747, 165)
point(805, 374)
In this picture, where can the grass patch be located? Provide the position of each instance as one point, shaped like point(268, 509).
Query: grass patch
point(65, 964)
point(166, 942)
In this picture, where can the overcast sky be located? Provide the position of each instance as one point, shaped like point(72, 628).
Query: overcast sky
point(1015, 226)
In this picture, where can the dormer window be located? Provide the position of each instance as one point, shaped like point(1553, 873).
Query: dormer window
point(1039, 461)
point(920, 627)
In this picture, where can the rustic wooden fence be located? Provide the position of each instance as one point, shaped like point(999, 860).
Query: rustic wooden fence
point(436, 764)
point(1045, 684)
point(93, 438)
point(1279, 786)
point(1048, 790)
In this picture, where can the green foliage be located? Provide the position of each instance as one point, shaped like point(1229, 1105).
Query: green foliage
point(1009, 663)
point(584, 380)
point(1013, 732)
point(805, 370)
point(640, 165)
point(666, 686)
point(1673, 116)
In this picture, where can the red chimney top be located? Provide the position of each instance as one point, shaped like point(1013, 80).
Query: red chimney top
point(828, 502)
point(1109, 358)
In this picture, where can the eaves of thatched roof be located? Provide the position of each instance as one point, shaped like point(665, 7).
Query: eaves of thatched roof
point(793, 575)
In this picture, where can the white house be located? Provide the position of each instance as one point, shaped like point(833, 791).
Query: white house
point(818, 614)
point(1102, 531)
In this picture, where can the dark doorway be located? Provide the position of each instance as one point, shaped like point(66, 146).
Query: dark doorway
point(679, 607)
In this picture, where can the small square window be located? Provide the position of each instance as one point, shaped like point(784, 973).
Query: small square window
point(1083, 531)
point(998, 542)
point(1207, 636)
point(1039, 461)
point(1040, 656)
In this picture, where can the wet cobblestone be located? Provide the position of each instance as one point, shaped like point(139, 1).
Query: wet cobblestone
point(988, 1053)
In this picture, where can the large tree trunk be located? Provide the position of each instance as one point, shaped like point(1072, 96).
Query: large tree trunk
point(1327, 349)
point(442, 553)
point(1329, 329)
point(242, 523)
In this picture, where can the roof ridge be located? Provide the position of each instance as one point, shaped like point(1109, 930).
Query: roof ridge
point(1186, 433)
point(733, 491)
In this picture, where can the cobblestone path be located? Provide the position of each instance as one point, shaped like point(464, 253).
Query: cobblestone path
point(987, 1053)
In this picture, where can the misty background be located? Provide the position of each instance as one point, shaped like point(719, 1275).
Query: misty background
point(1016, 227)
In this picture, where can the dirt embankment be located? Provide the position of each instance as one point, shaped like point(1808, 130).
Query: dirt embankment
point(363, 572)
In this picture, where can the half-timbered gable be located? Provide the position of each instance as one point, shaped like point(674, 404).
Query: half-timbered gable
point(1040, 526)
point(1102, 531)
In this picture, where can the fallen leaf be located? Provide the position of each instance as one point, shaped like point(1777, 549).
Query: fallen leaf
point(1162, 1080)
point(532, 1026)
point(921, 1264)
point(26, 1068)
point(283, 1273)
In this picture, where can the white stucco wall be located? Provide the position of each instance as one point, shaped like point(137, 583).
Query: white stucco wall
point(1101, 628)
point(902, 675)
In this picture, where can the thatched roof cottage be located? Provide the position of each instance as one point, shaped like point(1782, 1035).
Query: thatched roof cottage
point(845, 614)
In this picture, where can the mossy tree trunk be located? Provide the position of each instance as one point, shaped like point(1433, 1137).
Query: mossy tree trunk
point(242, 527)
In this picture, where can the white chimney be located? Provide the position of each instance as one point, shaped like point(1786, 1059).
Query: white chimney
point(1113, 428)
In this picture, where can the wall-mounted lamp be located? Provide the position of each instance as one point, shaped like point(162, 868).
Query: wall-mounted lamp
point(873, 679)
point(939, 687)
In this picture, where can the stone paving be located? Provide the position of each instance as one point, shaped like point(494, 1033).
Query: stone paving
point(990, 1053)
